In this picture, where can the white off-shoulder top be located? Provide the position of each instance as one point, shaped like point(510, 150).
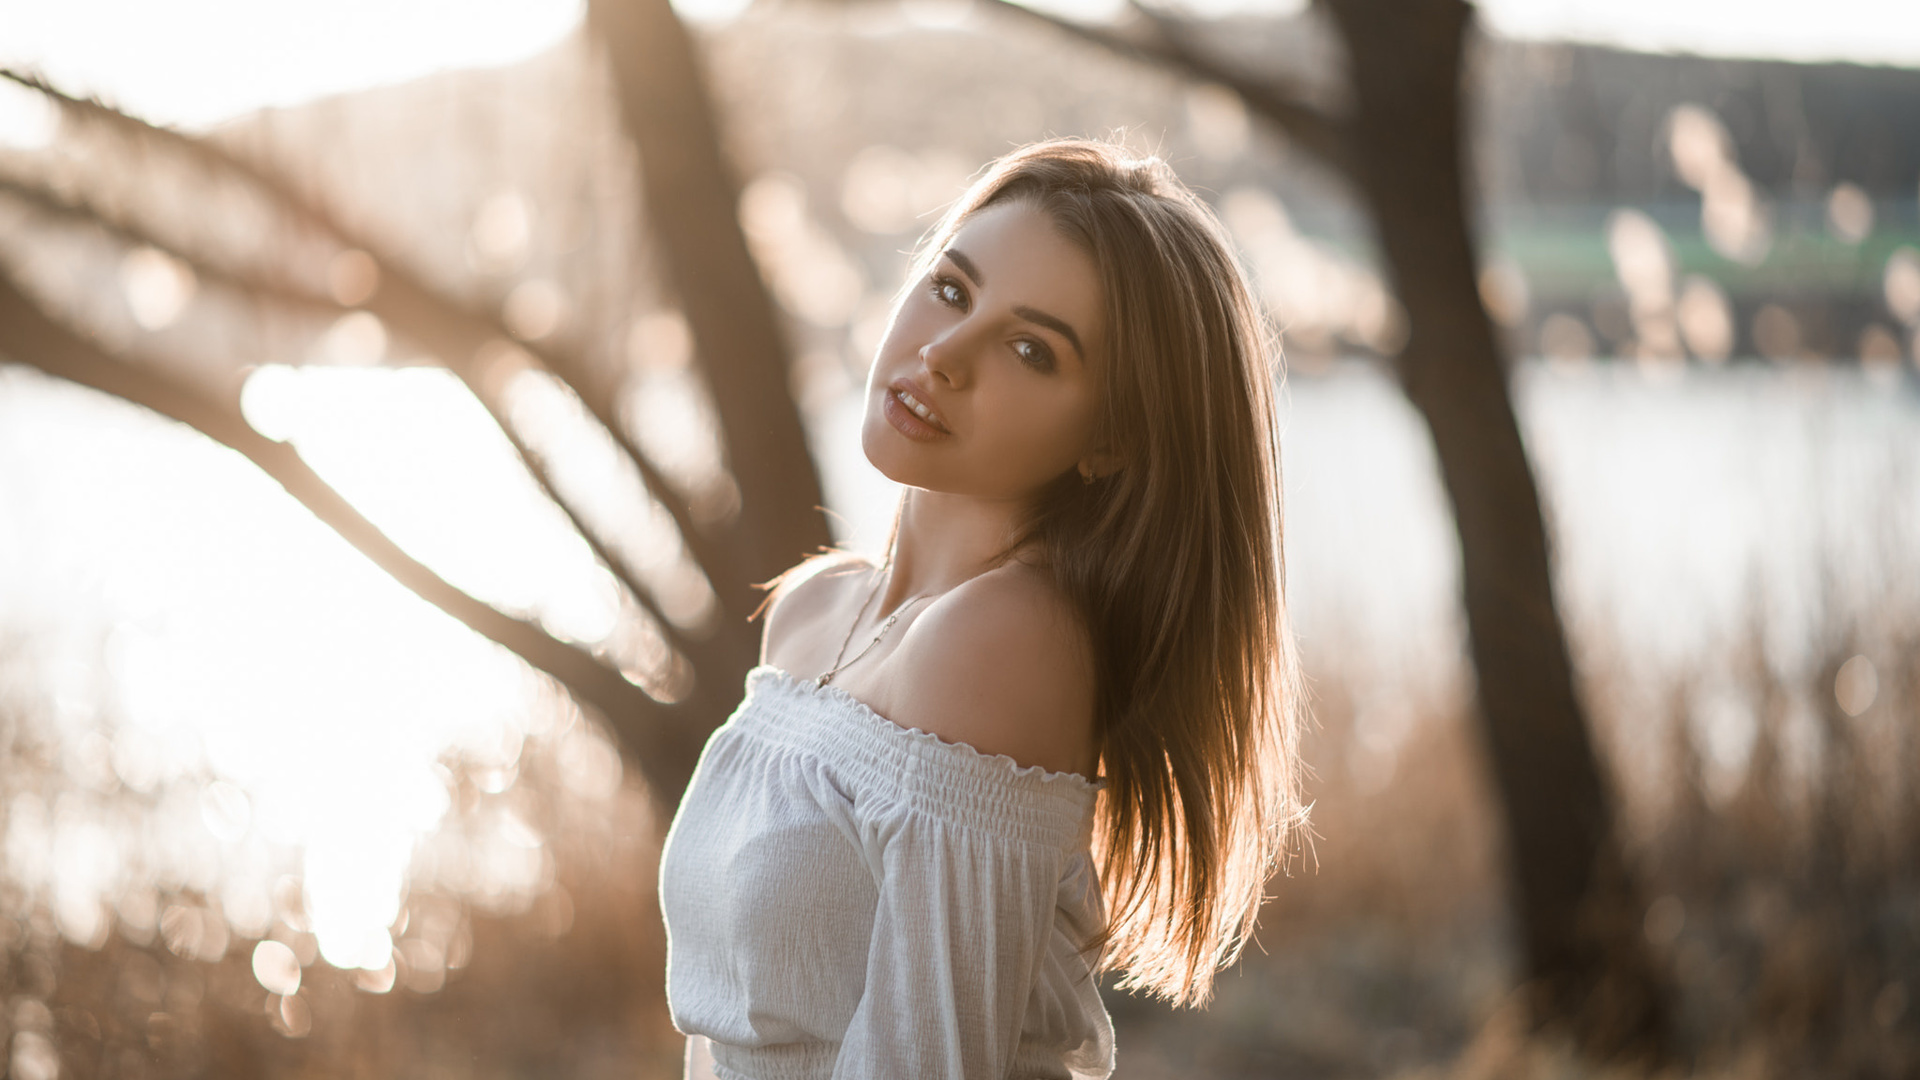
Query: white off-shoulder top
point(848, 898)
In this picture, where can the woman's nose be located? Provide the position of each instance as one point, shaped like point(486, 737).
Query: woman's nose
point(945, 358)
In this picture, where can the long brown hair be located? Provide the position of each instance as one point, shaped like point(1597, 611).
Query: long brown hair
point(1175, 562)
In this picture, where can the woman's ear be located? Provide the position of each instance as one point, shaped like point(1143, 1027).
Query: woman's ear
point(1099, 465)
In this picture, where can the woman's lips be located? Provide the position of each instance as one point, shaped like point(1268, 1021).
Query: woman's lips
point(910, 423)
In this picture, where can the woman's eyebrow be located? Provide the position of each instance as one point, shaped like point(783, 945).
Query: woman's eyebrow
point(1053, 323)
point(966, 266)
point(1032, 315)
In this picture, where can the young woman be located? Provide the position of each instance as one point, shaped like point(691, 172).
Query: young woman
point(1053, 730)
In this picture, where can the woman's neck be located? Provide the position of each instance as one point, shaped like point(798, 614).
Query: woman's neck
point(943, 540)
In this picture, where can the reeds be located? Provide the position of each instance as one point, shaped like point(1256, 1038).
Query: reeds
point(1783, 879)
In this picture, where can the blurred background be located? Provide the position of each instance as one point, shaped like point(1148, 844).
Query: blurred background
point(399, 400)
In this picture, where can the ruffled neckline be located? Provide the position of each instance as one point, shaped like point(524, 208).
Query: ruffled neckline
point(868, 715)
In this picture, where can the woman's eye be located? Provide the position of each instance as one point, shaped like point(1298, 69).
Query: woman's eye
point(949, 292)
point(1035, 355)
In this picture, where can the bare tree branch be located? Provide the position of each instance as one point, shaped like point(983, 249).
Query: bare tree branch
point(51, 203)
point(450, 328)
point(1172, 47)
point(489, 398)
point(260, 288)
point(649, 730)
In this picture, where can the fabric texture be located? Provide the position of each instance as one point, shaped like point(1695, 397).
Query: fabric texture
point(847, 898)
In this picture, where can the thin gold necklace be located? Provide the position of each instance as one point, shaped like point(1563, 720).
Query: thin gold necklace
point(839, 664)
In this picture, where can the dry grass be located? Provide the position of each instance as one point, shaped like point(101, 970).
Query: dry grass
point(1784, 898)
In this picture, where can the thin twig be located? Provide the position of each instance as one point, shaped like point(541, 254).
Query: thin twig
point(1308, 126)
point(53, 204)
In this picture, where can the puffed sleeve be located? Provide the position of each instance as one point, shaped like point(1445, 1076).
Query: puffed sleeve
point(962, 928)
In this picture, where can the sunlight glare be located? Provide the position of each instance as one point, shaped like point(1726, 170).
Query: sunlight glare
point(1085, 10)
point(158, 287)
point(34, 1057)
point(590, 763)
point(461, 501)
point(28, 120)
point(313, 709)
point(198, 62)
point(1901, 283)
point(227, 811)
point(86, 867)
point(1849, 212)
point(356, 339)
point(1706, 319)
point(1866, 31)
point(192, 932)
point(276, 968)
point(674, 419)
point(535, 309)
point(1643, 261)
point(501, 230)
point(377, 980)
point(354, 887)
point(709, 11)
point(1733, 216)
point(245, 899)
point(1699, 144)
point(291, 1016)
point(270, 401)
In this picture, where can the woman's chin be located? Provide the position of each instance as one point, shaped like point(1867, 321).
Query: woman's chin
point(886, 450)
point(897, 463)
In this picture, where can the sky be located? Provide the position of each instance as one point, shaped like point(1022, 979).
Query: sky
point(196, 62)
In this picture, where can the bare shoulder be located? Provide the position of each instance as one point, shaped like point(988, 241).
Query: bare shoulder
point(801, 600)
point(1003, 664)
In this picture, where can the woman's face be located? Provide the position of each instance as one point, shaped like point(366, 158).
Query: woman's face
point(988, 381)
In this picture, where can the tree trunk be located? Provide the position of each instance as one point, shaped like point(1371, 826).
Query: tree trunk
point(1575, 904)
point(691, 198)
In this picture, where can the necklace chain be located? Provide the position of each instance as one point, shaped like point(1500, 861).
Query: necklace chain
point(886, 625)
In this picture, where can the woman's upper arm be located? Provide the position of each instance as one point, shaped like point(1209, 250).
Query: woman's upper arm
point(960, 930)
